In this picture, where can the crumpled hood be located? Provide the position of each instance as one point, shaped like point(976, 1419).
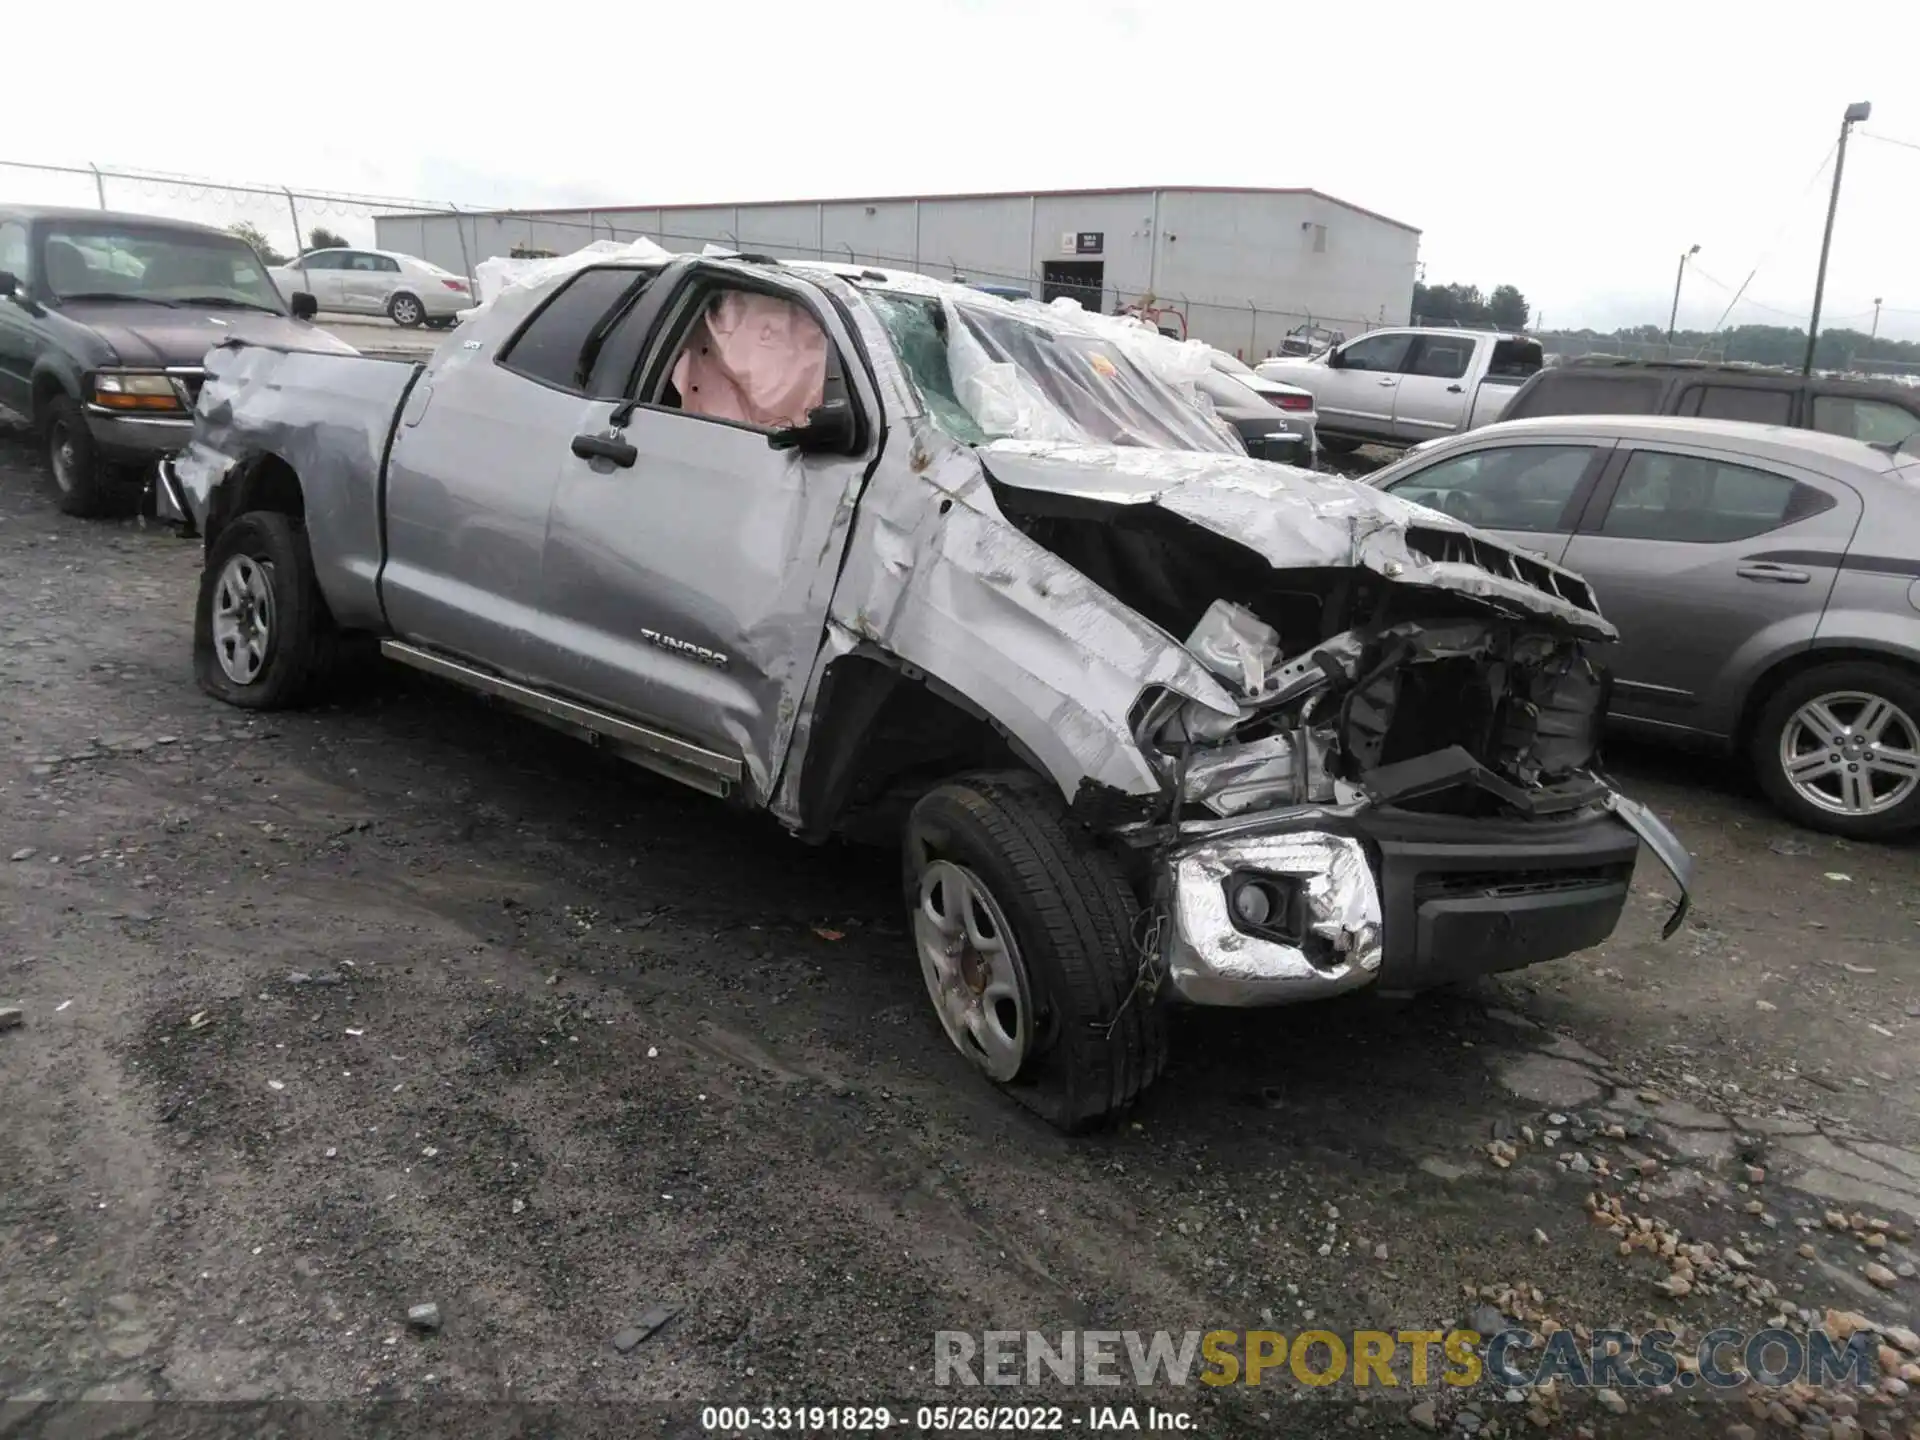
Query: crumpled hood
point(1298, 518)
point(152, 335)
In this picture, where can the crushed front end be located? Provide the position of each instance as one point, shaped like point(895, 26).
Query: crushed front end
point(1408, 793)
point(1402, 806)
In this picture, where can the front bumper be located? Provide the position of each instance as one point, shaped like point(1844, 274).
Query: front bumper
point(1403, 900)
point(137, 439)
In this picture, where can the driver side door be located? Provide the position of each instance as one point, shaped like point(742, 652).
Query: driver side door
point(1529, 493)
point(1361, 380)
point(686, 579)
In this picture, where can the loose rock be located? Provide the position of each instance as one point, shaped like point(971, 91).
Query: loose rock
point(1612, 1400)
point(12, 1017)
point(424, 1317)
point(1423, 1416)
point(1880, 1275)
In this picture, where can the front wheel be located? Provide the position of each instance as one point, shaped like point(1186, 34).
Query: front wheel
point(83, 483)
point(1837, 748)
point(262, 636)
point(1024, 929)
point(405, 309)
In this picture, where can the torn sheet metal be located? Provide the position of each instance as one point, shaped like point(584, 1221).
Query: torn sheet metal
point(1292, 518)
point(1263, 774)
point(1210, 961)
point(1666, 848)
point(327, 417)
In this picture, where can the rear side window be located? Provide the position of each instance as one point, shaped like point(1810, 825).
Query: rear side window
point(1878, 422)
point(1755, 404)
point(1567, 393)
point(549, 346)
point(1690, 498)
point(1445, 357)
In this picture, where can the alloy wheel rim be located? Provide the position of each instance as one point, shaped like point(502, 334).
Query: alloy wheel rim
point(973, 969)
point(1851, 752)
point(243, 618)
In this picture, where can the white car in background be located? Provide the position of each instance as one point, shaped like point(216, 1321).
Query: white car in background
point(406, 289)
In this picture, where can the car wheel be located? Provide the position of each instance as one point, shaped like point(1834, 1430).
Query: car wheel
point(442, 322)
point(405, 309)
point(1838, 749)
point(262, 636)
point(1025, 933)
point(83, 483)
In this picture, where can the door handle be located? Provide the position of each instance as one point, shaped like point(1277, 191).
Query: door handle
point(602, 447)
point(1389, 382)
point(1454, 390)
point(1778, 574)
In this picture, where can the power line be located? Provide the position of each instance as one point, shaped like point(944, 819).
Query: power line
point(1888, 139)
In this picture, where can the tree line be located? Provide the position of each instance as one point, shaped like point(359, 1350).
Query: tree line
point(1753, 344)
point(318, 238)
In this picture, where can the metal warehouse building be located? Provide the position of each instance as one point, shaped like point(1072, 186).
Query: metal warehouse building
point(1235, 267)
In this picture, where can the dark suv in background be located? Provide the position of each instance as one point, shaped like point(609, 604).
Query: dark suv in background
point(105, 321)
point(1876, 412)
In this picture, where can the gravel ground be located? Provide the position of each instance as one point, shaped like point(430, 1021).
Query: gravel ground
point(405, 1001)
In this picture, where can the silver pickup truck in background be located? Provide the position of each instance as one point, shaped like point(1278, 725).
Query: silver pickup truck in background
point(1402, 387)
point(1147, 718)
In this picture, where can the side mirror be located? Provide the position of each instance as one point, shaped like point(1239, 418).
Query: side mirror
point(9, 283)
point(305, 307)
point(1334, 361)
point(830, 429)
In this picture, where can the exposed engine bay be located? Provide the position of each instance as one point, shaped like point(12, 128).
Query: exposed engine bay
point(1345, 692)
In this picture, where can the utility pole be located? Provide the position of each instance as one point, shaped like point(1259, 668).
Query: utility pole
point(1876, 319)
point(1679, 275)
point(1856, 112)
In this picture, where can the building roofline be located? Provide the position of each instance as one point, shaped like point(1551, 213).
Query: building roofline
point(538, 211)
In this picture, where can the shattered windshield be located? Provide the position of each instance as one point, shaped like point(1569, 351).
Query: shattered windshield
point(990, 370)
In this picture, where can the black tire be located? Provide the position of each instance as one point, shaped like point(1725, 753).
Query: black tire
point(1338, 445)
point(83, 483)
point(1098, 1038)
point(406, 310)
point(300, 648)
point(1893, 684)
point(443, 322)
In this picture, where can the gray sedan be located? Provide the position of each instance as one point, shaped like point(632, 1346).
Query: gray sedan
point(1765, 582)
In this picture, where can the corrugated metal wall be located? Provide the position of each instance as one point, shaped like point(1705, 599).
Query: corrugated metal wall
point(1243, 268)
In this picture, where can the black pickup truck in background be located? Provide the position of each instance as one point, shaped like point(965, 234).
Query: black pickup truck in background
point(1878, 412)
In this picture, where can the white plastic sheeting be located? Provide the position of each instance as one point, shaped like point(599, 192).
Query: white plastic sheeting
point(498, 273)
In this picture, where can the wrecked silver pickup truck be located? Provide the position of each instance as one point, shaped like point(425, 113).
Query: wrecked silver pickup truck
point(897, 559)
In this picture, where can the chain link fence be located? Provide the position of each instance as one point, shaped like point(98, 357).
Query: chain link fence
point(285, 217)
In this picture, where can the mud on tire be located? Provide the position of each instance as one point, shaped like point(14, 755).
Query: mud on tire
point(1093, 1041)
point(262, 636)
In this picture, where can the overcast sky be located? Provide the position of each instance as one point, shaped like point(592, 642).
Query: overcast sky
point(1573, 151)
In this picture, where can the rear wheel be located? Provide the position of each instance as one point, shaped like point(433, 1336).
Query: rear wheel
point(1838, 749)
point(83, 483)
point(262, 637)
point(1024, 929)
point(405, 309)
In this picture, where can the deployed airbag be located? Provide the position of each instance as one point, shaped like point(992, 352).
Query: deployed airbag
point(755, 359)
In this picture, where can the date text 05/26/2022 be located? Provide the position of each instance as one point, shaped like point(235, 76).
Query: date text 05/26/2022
point(940, 1419)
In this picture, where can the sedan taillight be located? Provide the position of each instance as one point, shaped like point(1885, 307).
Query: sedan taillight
point(459, 285)
point(1293, 402)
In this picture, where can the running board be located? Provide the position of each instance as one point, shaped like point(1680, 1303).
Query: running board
point(664, 754)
